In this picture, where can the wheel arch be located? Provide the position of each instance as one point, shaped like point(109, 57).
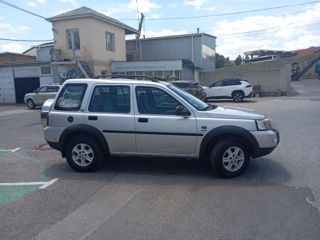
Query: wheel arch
point(82, 129)
point(238, 90)
point(217, 134)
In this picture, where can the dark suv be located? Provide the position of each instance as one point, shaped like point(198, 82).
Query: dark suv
point(191, 87)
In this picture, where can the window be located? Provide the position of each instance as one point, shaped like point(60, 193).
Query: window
point(195, 102)
point(231, 82)
point(110, 41)
point(70, 98)
point(155, 101)
point(42, 89)
point(45, 70)
point(52, 89)
point(73, 39)
point(111, 99)
point(216, 84)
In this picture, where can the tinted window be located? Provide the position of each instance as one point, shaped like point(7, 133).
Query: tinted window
point(182, 85)
point(112, 99)
point(195, 85)
point(70, 97)
point(231, 82)
point(155, 101)
point(216, 84)
point(52, 89)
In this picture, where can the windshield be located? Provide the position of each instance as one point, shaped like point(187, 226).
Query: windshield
point(195, 102)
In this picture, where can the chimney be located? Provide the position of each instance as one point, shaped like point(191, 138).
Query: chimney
point(198, 30)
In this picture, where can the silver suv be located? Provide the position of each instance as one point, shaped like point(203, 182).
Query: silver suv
point(90, 120)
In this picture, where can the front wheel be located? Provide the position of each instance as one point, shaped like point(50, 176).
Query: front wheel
point(229, 157)
point(84, 154)
point(238, 96)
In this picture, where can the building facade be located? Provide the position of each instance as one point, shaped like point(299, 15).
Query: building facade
point(195, 53)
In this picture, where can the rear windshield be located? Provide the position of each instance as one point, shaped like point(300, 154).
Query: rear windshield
point(70, 97)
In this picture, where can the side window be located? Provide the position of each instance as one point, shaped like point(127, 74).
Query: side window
point(217, 84)
point(70, 98)
point(152, 100)
point(52, 89)
point(73, 39)
point(111, 99)
point(42, 90)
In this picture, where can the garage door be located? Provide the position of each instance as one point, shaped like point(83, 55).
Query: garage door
point(25, 85)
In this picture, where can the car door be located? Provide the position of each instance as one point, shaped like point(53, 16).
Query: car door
point(51, 92)
point(158, 129)
point(39, 96)
point(215, 89)
point(110, 110)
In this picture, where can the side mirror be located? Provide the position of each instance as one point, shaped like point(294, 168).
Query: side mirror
point(182, 111)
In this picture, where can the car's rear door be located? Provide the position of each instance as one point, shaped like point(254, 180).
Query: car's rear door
point(110, 110)
point(159, 130)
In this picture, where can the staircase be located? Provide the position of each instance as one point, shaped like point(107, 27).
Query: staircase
point(84, 67)
point(304, 70)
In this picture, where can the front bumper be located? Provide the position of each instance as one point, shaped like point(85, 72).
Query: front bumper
point(268, 141)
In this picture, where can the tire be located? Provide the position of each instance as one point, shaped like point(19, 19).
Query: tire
point(222, 160)
point(238, 96)
point(30, 104)
point(84, 154)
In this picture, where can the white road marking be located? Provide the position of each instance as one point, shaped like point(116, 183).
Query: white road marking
point(44, 184)
point(10, 150)
point(49, 183)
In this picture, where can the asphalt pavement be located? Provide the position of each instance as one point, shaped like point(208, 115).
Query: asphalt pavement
point(278, 197)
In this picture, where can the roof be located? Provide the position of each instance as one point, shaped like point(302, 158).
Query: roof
point(307, 51)
point(16, 54)
point(116, 80)
point(48, 44)
point(174, 36)
point(88, 12)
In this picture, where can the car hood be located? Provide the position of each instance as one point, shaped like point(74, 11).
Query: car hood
point(234, 113)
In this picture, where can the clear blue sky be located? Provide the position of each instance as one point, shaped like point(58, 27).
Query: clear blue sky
point(287, 28)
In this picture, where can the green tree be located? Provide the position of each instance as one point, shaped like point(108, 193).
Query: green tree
point(238, 60)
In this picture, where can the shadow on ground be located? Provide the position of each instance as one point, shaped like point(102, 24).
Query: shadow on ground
point(260, 170)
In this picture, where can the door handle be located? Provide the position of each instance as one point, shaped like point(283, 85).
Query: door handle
point(92, 118)
point(143, 120)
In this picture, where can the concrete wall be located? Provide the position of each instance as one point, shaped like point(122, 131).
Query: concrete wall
point(273, 76)
point(7, 92)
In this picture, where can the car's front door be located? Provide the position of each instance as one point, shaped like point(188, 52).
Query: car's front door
point(217, 89)
point(39, 95)
point(158, 129)
point(110, 110)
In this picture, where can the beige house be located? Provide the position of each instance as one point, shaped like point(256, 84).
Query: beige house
point(87, 41)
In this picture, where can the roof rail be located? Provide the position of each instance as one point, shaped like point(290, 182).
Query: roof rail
point(136, 77)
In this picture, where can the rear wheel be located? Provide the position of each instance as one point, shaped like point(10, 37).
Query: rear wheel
point(30, 104)
point(238, 96)
point(229, 157)
point(84, 154)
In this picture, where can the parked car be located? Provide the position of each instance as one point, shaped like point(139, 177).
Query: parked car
point(39, 96)
point(191, 87)
point(124, 117)
point(235, 88)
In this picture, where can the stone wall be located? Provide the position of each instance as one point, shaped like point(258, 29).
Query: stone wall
point(273, 77)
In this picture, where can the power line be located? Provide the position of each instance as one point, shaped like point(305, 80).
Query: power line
point(21, 9)
point(24, 40)
point(275, 28)
point(226, 14)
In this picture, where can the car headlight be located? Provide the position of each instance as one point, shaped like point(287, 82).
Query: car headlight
point(263, 125)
